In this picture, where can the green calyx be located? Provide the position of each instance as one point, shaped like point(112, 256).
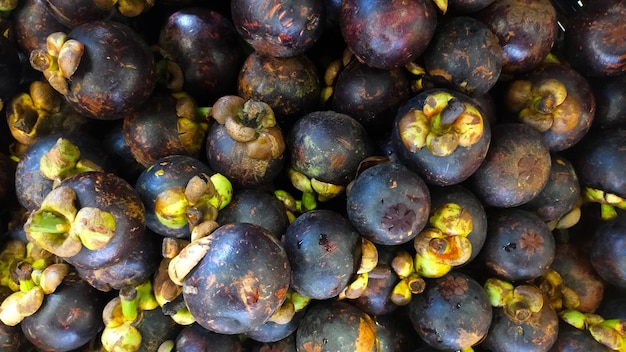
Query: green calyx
point(608, 202)
point(58, 227)
point(63, 160)
point(518, 302)
point(192, 122)
point(443, 124)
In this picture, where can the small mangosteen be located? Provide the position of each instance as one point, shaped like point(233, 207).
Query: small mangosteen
point(556, 101)
point(606, 251)
point(388, 204)
point(593, 39)
point(88, 220)
point(203, 44)
point(226, 294)
point(289, 85)
point(103, 68)
point(453, 313)
point(442, 135)
point(387, 34)
point(324, 251)
point(179, 192)
point(325, 149)
point(195, 338)
point(336, 326)
point(515, 169)
point(279, 28)
point(519, 245)
point(526, 30)
point(370, 95)
point(168, 124)
point(245, 144)
point(464, 55)
point(610, 94)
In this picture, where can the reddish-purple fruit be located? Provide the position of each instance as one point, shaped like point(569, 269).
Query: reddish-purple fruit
point(204, 44)
point(526, 30)
point(387, 34)
point(279, 28)
point(240, 282)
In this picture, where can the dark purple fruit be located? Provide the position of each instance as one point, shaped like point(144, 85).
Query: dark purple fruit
point(134, 269)
point(516, 168)
point(271, 331)
point(526, 30)
point(574, 340)
point(607, 252)
point(288, 344)
point(204, 44)
point(370, 95)
point(195, 338)
point(610, 94)
point(166, 125)
point(556, 101)
point(376, 299)
point(10, 71)
point(560, 195)
point(167, 175)
point(328, 146)
point(537, 332)
point(289, 85)
point(32, 23)
point(279, 28)
point(32, 185)
point(387, 34)
point(464, 55)
point(108, 215)
point(468, 6)
point(68, 318)
point(600, 161)
point(573, 263)
point(594, 39)
point(256, 207)
point(395, 333)
point(442, 135)
point(240, 282)
point(336, 326)
point(324, 253)
point(388, 204)
point(519, 245)
point(453, 312)
point(72, 14)
point(106, 70)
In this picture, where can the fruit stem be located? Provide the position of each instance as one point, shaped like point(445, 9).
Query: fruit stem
point(128, 302)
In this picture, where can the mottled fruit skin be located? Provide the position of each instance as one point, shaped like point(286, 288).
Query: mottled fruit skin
point(328, 146)
point(600, 161)
point(594, 39)
point(116, 74)
point(537, 334)
point(229, 157)
point(279, 28)
point(574, 340)
point(388, 204)
point(110, 193)
point(459, 194)
point(437, 170)
point(452, 313)
point(241, 280)
point(526, 30)
point(607, 252)
point(387, 34)
point(324, 251)
point(68, 317)
point(370, 95)
point(257, 207)
point(32, 23)
point(289, 85)
point(519, 245)
point(204, 43)
point(464, 54)
point(195, 338)
point(516, 167)
point(336, 326)
point(166, 173)
point(31, 187)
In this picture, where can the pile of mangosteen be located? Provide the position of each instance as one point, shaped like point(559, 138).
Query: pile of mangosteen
point(308, 175)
